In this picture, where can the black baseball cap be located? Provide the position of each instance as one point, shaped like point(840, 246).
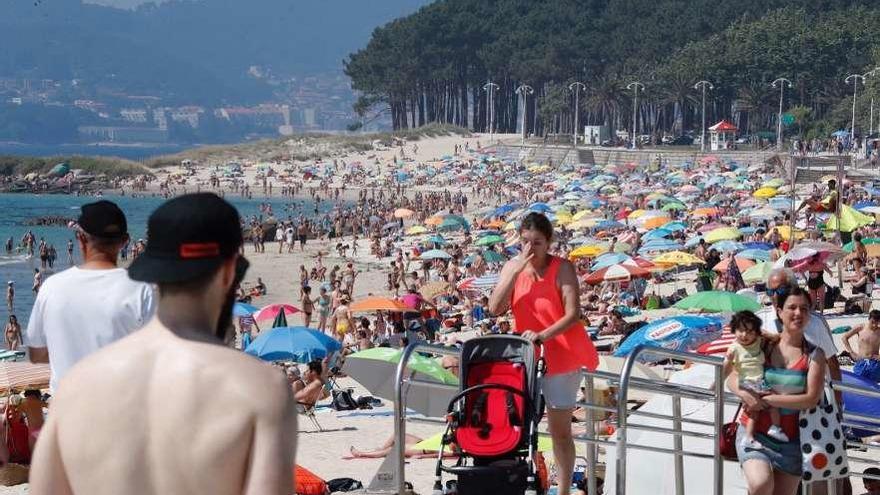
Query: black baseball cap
point(188, 237)
point(103, 219)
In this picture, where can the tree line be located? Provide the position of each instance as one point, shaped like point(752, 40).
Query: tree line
point(433, 65)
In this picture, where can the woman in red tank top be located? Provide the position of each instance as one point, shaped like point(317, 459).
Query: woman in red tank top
point(543, 292)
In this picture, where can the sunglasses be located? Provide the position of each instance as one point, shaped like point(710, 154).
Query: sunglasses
point(779, 291)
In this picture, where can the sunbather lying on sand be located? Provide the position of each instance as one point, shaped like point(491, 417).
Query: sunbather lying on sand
point(410, 452)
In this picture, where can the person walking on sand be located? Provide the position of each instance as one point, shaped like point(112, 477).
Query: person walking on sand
point(186, 426)
point(89, 306)
point(542, 291)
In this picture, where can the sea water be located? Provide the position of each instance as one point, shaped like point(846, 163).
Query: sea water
point(17, 209)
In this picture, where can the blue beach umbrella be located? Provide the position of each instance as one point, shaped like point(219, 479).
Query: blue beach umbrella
point(540, 207)
point(764, 246)
point(674, 226)
point(728, 246)
point(659, 245)
point(299, 344)
point(243, 309)
point(679, 333)
point(433, 254)
point(656, 234)
point(608, 259)
point(754, 254)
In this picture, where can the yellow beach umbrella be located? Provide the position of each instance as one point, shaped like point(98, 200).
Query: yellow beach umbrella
point(785, 233)
point(581, 214)
point(677, 258)
point(590, 251)
point(416, 230)
point(563, 218)
point(723, 234)
point(765, 192)
point(636, 214)
point(510, 226)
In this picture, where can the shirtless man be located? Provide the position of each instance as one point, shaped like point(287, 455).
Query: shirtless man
point(187, 415)
point(867, 358)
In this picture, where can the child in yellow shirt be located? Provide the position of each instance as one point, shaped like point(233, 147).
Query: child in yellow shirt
point(746, 356)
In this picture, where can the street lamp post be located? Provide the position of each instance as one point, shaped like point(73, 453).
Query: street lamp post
point(576, 87)
point(781, 82)
point(704, 85)
point(490, 107)
point(635, 85)
point(524, 90)
point(852, 129)
point(871, 122)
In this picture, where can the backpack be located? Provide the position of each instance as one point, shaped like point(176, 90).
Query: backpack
point(343, 400)
point(344, 485)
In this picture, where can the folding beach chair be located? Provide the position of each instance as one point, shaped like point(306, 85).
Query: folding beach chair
point(308, 410)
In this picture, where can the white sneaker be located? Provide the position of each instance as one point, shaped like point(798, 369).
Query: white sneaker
point(776, 433)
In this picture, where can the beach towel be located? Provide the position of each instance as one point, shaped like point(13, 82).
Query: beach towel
point(868, 368)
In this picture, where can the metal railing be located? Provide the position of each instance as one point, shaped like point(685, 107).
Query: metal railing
point(625, 381)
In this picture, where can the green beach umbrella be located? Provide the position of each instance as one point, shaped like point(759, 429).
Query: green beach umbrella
point(850, 220)
point(488, 240)
point(375, 369)
point(723, 234)
point(492, 256)
point(849, 246)
point(673, 206)
point(718, 301)
point(758, 273)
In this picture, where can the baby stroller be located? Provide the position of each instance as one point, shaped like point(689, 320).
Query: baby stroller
point(492, 422)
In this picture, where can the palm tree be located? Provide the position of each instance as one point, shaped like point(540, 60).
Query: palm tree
point(756, 100)
point(605, 97)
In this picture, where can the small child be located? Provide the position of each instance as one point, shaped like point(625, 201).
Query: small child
point(746, 356)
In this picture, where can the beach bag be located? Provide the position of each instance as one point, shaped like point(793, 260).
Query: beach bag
point(823, 443)
point(344, 485)
point(727, 439)
point(343, 401)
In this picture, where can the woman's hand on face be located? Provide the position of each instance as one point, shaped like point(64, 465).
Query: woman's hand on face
point(522, 259)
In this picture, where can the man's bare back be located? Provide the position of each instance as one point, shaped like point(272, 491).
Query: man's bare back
point(157, 413)
point(868, 341)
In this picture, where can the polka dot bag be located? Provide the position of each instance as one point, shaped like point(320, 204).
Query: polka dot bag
point(823, 443)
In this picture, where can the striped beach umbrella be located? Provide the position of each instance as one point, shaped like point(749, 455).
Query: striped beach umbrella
point(616, 273)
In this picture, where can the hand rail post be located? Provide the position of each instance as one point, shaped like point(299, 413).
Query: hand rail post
point(719, 426)
point(592, 488)
point(622, 395)
point(677, 445)
point(400, 419)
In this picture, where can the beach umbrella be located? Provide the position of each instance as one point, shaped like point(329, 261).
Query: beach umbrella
point(243, 309)
point(659, 245)
point(784, 232)
point(21, 375)
point(590, 251)
point(728, 246)
point(677, 258)
point(850, 220)
point(765, 192)
point(433, 254)
point(718, 301)
point(403, 213)
point(488, 240)
point(754, 254)
point(280, 320)
point(764, 213)
point(742, 263)
point(436, 239)
point(299, 344)
point(680, 333)
point(490, 256)
point(540, 207)
point(616, 273)
point(608, 259)
point(654, 222)
point(416, 230)
point(867, 241)
point(719, 345)
point(486, 282)
point(674, 226)
point(434, 220)
point(609, 224)
point(673, 206)
point(706, 212)
point(378, 304)
point(722, 234)
point(375, 370)
point(271, 311)
point(433, 289)
point(757, 273)
point(659, 233)
point(451, 223)
point(774, 183)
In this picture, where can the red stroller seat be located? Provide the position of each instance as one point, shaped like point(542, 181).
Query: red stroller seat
point(493, 421)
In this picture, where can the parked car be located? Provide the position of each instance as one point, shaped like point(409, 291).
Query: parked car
point(683, 140)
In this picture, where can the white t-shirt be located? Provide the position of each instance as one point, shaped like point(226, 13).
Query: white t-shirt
point(80, 311)
point(816, 332)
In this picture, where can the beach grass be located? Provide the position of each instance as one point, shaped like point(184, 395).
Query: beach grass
point(16, 166)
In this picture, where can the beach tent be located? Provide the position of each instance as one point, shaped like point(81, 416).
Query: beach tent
point(652, 472)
